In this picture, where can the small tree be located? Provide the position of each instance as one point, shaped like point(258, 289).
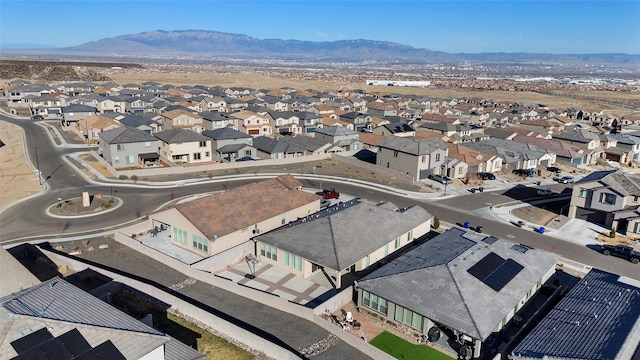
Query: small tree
point(134, 178)
point(436, 222)
point(612, 233)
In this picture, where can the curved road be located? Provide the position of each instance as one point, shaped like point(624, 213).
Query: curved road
point(26, 220)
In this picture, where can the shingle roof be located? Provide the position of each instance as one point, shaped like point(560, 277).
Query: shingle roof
point(125, 135)
point(274, 146)
point(597, 320)
point(13, 276)
point(180, 136)
point(335, 131)
point(433, 280)
point(78, 108)
point(225, 212)
point(135, 120)
point(305, 142)
point(413, 146)
point(225, 133)
point(332, 238)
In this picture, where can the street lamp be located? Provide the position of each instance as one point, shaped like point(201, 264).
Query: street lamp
point(38, 166)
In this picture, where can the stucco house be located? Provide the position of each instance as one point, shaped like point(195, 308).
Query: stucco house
point(340, 136)
point(94, 125)
point(611, 198)
point(469, 284)
point(345, 238)
point(231, 144)
point(124, 147)
point(417, 158)
point(515, 155)
point(71, 114)
point(184, 146)
point(221, 221)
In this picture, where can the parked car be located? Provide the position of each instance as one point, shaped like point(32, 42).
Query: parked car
point(324, 203)
point(544, 192)
point(622, 251)
point(486, 176)
point(245, 158)
point(330, 193)
point(37, 117)
point(440, 178)
point(526, 172)
point(566, 180)
point(554, 169)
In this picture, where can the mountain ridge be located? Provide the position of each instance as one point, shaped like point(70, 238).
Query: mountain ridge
point(197, 44)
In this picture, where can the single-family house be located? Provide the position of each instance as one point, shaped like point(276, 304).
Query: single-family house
point(224, 220)
point(268, 148)
point(71, 114)
point(357, 118)
point(610, 198)
point(94, 125)
point(125, 147)
point(214, 103)
point(401, 129)
point(330, 243)
point(460, 282)
point(381, 109)
point(417, 158)
point(339, 136)
point(253, 123)
point(476, 161)
point(184, 146)
point(182, 119)
point(310, 145)
point(515, 155)
point(231, 144)
point(213, 120)
point(565, 151)
point(598, 318)
point(142, 122)
point(626, 150)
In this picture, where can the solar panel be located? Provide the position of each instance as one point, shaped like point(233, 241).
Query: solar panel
point(490, 240)
point(505, 273)
point(494, 271)
point(487, 265)
point(31, 341)
point(74, 342)
point(521, 248)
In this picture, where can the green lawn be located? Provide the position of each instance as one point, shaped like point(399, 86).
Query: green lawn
point(402, 349)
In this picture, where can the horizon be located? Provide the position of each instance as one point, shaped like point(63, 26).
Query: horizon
point(547, 27)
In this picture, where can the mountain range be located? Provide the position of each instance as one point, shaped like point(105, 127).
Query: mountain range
point(202, 45)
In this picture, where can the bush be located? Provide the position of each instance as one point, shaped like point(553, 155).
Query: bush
point(123, 177)
point(134, 178)
point(436, 222)
point(133, 236)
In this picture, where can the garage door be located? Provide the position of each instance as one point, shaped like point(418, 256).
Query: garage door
point(593, 216)
point(425, 173)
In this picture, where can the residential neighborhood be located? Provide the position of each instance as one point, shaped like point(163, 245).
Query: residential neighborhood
point(360, 262)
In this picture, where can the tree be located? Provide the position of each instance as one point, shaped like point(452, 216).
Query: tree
point(436, 222)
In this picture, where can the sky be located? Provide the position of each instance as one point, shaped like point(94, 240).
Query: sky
point(547, 26)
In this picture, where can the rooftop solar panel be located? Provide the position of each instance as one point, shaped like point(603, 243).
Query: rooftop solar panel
point(494, 271)
point(74, 342)
point(487, 265)
point(31, 341)
point(490, 240)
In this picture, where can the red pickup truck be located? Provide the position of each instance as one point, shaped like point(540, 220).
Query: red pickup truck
point(330, 193)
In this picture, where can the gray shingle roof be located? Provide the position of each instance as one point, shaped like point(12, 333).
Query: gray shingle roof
point(305, 142)
point(135, 120)
point(274, 146)
point(335, 131)
point(180, 136)
point(231, 148)
point(13, 276)
point(342, 235)
point(78, 108)
point(413, 146)
point(225, 133)
point(597, 320)
point(433, 280)
point(125, 135)
point(510, 151)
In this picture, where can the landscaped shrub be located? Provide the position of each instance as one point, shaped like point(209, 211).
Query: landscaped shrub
point(123, 177)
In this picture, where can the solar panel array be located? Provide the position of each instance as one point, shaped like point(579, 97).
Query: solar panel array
point(71, 345)
point(494, 271)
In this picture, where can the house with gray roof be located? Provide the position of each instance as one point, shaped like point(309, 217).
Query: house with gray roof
point(627, 148)
point(516, 155)
point(311, 145)
point(269, 148)
point(467, 283)
point(599, 318)
point(357, 118)
point(231, 144)
point(71, 114)
point(417, 158)
point(610, 198)
point(401, 129)
point(184, 146)
point(343, 238)
point(142, 122)
point(340, 136)
point(57, 320)
point(126, 147)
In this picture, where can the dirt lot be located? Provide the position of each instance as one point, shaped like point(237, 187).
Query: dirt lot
point(18, 179)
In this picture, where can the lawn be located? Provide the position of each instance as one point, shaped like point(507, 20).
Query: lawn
point(402, 349)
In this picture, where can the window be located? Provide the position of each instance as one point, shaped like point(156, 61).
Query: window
point(583, 193)
point(269, 252)
point(396, 243)
point(386, 250)
point(293, 261)
point(200, 243)
point(408, 317)
point(120, 147)
point(196, 156)
point(147, 144)
point(207, 154)
point(129, 159)
point(247, 153)
point(202, 144)
point(283, 219)
point(116, 159)
point(374, 302)
point(424, 158)
point(437, 157)
point(179, 235)
point(410, 235)
point(395, 153)
point(607, 198)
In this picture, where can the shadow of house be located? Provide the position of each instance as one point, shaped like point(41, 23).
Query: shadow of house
point(35, 261)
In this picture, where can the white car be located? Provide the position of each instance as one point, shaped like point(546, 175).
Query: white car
point(544, 192)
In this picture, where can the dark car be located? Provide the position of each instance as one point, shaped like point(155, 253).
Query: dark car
point(526, 172)
point(330, 193)
point(37, 117)
point(245, 158)
point(622, 251)
point(554, 169)
point(486, 176)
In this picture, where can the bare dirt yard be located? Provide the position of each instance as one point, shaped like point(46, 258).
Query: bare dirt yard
point(18, 180)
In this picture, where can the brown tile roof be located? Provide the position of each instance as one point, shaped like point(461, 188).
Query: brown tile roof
point(177, 112)
point(421, 134)
point(232, 210)
point(370, 139)
point(97, 122)
point(329, 121)
point(438, 117)
point(467, 155)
